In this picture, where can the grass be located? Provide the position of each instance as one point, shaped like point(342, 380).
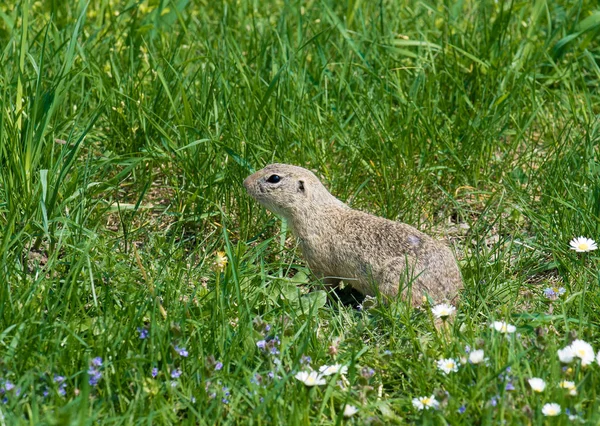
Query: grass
point(127, 127)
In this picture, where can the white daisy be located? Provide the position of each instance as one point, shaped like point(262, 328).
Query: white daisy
point(328, 370)
point(503, 327)
point(583, 244)
point(443, 310)
point(476, 356)
point(537, 384)
point(598, 357)
point(583, 351)
point(551, 409)
point(310, 379)
point(350, 410)
point(566, 384)
point(570, 386)
point(448, 365)
point(566, 355)
point(425, 402)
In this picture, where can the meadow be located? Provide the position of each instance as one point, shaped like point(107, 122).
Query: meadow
point(140, 284)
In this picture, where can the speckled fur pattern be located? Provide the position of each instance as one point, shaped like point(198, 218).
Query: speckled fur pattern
point(370, 253)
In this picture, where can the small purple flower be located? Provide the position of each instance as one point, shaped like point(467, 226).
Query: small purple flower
point(181, 351)
point(45, 393)
point(549, 293)
point(94, 376)
point(59, 379)
point(62, 390)
point(256, 379)
point(494, 401)
point(175, 373)
point(225, 401)
point(173, 384)
point(367, 372)
point(467, 349)
point(5, 400)
point(305, 359)
point(144, 332)
point(97, 362)
point(462, 409)
point(274, 351)
point(226, 391)
point(218, 366)
point(261, 344)
point(509, 387)
point(154, 372)
point(271, 375)
point(8, 386)
point(267, 328)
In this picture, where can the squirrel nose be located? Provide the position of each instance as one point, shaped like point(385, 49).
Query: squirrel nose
point(247, 182)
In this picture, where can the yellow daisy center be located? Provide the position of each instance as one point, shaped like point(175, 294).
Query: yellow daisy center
point(583, 246)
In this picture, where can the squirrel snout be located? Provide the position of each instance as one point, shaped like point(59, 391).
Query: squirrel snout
point(248, 182)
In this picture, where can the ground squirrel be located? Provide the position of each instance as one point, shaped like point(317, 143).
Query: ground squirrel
point(368, 252)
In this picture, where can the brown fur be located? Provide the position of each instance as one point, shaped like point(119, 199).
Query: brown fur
point(365, 251)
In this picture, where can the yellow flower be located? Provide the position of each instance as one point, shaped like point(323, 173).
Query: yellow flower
point(220, 261)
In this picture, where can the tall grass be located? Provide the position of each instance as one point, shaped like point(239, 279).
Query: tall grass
point(126, 129)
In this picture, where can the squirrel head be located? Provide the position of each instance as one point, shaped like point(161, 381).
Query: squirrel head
point(288, 190)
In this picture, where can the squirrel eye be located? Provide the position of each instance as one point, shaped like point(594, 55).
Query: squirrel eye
point(274, 179)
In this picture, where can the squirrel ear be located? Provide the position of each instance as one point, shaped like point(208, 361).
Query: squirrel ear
point(300, 186)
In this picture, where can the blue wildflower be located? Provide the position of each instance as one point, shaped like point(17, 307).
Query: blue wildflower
point(144, 332)
point(94, 376)
point(305, 359)
point(462, 409)
point(218, 366)
point(175, 373)
point(181, 351)
point(256, 379)
point(367, 372)
point(97, 362)
point(154, 372)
